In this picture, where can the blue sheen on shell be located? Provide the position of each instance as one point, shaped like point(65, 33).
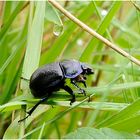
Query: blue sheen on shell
point(71, 68)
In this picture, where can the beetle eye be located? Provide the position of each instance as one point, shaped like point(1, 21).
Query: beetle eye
point(84, 77)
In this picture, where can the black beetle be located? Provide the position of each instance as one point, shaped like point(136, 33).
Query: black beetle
point(51, 77)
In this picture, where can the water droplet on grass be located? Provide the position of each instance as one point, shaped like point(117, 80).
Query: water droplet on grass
point(57, 30)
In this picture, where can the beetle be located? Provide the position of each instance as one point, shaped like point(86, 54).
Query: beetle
point(52, 77)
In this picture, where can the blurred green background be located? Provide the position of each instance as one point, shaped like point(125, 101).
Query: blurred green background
point(36, 33)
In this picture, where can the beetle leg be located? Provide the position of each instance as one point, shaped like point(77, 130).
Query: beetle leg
point(83, 82)
point(89, 99)
point(81, 79)
point(33, 108)
point(75, 84)
point(70, 91)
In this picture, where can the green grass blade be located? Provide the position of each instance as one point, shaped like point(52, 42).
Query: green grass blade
point(105, 106)
point(11, 19)
point(124, 114)
point(32, 55)
point(129, 125)
point(86, 55)
point(61, 42)
point(52, 15)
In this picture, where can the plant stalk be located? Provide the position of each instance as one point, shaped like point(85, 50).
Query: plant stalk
point(94, 33)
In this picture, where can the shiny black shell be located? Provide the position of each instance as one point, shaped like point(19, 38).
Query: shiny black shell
point(51, 77)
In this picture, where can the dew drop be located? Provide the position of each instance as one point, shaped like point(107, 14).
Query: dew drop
point(79, 42)
point(79, 123)
point(57, 30)
point(104, 12)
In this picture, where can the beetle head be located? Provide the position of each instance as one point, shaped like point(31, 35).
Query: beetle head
point(87, 69)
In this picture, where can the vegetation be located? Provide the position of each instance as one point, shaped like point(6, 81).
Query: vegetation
point(104, 34)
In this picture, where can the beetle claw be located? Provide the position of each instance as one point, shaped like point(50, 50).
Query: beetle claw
point(82, 92)
point(89, 99)
point(72, 101)
point(27, 112)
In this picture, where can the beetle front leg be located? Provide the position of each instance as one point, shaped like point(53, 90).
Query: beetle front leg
point(83, 82)
point(70, 91)
point(75, 84)
point(81, 79)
